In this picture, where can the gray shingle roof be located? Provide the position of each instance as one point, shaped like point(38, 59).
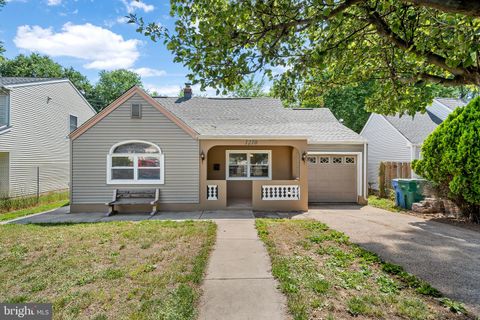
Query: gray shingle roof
point(6, 81)
point(451, 103)
point(258, 117)
point(417, 128)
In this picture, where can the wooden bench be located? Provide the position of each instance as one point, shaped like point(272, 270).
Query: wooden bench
point(134, 197)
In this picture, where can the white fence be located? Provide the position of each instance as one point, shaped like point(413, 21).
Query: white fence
point(285, 192)
point(212, 192)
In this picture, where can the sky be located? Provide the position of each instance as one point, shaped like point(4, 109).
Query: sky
point(92, 35)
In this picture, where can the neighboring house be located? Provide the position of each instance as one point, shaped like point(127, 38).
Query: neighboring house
point(216, 153)
point(36, 117)
point(399, 139)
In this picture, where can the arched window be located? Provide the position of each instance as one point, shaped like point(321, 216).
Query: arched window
point(135, 162)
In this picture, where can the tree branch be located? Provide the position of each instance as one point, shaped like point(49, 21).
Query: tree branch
point(384, 31)
point(466, 7)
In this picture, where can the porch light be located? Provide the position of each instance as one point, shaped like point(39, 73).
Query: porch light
point(304, 156)
point(202, 156)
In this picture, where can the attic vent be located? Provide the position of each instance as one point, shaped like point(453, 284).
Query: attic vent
point(136, 111)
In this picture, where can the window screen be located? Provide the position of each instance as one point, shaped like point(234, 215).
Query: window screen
point(136, 111)
point(73, 123)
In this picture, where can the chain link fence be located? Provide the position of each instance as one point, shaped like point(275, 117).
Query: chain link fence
point(31, 185)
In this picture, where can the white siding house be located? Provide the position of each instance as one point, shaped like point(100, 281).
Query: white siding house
point(395, 138)
point(36, 117)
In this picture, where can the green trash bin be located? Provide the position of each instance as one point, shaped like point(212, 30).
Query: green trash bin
point(412, 191)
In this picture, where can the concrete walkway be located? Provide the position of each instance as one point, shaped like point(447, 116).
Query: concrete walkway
point(446, 256)
point(239, 284)
point(63, 215)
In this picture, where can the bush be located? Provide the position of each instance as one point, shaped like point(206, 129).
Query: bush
point(451, 159)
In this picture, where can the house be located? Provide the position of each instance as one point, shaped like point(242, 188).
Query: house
point(36, 117)
point(399, 139)
point(215, 153)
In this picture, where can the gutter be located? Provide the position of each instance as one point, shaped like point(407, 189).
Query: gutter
point(251, 137)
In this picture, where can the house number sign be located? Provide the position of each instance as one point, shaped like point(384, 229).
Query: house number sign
point(250, 142)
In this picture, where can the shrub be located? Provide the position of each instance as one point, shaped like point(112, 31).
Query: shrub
point(451, 159)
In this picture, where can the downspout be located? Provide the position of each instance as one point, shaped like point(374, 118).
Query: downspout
point(365, 182)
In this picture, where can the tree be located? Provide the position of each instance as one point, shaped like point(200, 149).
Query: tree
point(36, 65)
point(347, 103)
point(451, 159)
point(2, 49)
point(249, 88)
point(112, 84)
point(405, 46)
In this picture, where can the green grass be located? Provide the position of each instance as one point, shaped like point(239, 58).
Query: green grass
point(25, 212)
point(382, 203)
point(105, 270)
point(325, 276)
point(18, 203)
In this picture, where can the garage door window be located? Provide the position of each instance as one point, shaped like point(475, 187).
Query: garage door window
point(349, 160)
point(249, 165)
point(324, 159)
point(337, 159)
point(312, 159)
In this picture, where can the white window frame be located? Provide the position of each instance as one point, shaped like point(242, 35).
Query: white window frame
point(139, 111)
point(135, 167)
point(7, 112)
point(69, 124)
point(248, 153)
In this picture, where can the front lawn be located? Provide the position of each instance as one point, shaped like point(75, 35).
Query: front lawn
point(325, 276)
point(145, 270)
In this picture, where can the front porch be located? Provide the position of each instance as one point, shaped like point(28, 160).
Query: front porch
point(263, 175)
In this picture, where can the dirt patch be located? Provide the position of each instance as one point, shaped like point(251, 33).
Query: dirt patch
point(324, 276)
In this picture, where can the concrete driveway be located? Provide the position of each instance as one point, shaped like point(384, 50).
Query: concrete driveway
point(446, 256)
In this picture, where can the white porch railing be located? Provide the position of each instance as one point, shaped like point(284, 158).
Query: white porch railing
point(285, 192)
point(212, 192)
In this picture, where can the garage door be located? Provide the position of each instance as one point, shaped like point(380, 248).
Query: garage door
point(332, 178)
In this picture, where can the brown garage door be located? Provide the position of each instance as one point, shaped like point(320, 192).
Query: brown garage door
point(332, 178)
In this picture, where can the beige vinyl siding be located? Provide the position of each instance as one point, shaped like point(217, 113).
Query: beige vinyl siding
point(90, 150)
point(4, 174)
point(38, 135)
point(4, 110)
point(335, 148)
point(385, 143)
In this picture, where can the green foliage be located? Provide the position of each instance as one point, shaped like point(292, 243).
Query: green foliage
point(383, 203)
point(406, 49)
point(332, 275)
point(2, 49)
point(249, 88)
point(413, 309)
point(11, 204)
point(345, 102)
point(451, 158)
point(453, 306)
point(112, 84)
point(36, 65)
